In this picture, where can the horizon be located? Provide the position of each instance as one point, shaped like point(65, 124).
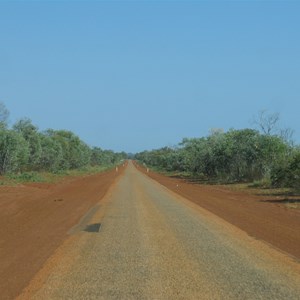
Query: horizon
point(135, 76)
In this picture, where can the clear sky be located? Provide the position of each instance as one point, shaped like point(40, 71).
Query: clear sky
point(141, 75)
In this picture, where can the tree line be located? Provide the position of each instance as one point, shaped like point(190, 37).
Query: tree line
point(24, 148)
point(245, 155)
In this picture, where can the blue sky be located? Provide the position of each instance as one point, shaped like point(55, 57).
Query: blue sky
point(141, 75)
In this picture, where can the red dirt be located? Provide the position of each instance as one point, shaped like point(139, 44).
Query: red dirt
point(259, 216)
point(35, 219)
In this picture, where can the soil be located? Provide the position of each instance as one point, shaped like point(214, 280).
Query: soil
point(265, 218)
point(35, 220)
point(155, 244)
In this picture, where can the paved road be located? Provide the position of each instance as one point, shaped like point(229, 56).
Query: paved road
point(152, 244)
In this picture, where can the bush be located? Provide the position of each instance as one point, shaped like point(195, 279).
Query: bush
point(287, 175)
point(27, 177)
point(14, 151)
point(263, 183)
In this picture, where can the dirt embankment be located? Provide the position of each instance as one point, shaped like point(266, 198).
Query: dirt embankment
point(35, 219)
point(261, 217)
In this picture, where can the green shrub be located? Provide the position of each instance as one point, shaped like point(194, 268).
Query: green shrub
point(263, 183)
point(287, 175)
point(27, 177)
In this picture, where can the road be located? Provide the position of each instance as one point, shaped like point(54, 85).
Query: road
point(154, 244)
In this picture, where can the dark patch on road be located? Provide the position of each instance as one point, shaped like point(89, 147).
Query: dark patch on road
point(93, 227)
point(81, 226)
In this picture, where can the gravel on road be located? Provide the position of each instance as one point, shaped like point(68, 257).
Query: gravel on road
point(154, 244)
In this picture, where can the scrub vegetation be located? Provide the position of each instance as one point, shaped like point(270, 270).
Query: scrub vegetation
point(26, 152)
point(265, 157)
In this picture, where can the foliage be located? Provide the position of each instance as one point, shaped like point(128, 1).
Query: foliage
point(75, 153)
point(51, 155)
point(4, 113)
point(105, 157)
point(24, 151)
point(14, 151)
point(27, 177)
point(288, 174)
point(31, 135)
point(235, 156)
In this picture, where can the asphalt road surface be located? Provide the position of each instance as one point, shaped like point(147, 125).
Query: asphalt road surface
point(153, 244)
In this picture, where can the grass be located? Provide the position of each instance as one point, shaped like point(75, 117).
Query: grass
point(26, 177)
point(292, 205)
point(48, 177)
point(286, 197)
point(263, 183)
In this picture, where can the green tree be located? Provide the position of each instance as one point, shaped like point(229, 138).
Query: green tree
point(75, 152)
point(287, 174)
point(14, 151)
point(52, 153)
point(32, 136)
point(237, 155)
point(4, 113)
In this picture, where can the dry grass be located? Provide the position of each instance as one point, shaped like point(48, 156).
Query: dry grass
point(285, 197)
point(292, 205)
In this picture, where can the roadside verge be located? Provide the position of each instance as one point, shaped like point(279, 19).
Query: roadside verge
point(255, 215)
point(35, 220)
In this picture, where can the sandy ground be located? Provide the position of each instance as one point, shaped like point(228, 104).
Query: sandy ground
point(260, 216)
point(154, 244)
point(35, 220)
point(42, 235)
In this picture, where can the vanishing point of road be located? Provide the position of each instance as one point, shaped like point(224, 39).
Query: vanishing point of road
point(145, 242)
